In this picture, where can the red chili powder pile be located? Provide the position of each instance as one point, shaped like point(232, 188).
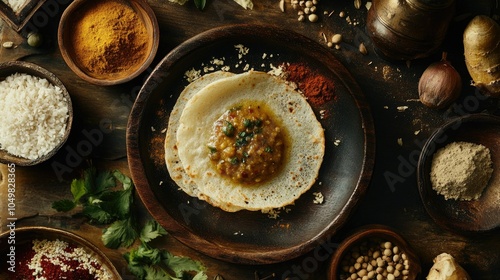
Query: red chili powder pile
point(316, 88)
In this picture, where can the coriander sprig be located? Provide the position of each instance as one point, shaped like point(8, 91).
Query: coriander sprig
point(105, 203)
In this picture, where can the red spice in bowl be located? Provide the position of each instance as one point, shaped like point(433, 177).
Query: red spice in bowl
point(48, 253)
point(56, 260)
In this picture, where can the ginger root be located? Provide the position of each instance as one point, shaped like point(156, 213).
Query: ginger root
point(446, 268)
point(481, 40)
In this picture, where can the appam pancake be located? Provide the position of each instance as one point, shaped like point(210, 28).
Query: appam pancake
point(305, 152)
point(174, 165)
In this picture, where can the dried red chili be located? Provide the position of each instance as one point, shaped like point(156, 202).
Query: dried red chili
point(316, 87)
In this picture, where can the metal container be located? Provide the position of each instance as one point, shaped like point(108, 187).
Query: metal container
point(408, 29)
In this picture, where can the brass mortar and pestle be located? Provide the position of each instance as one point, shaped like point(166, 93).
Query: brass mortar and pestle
point(408, 29)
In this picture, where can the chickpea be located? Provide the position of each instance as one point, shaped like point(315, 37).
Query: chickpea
point(387, 252)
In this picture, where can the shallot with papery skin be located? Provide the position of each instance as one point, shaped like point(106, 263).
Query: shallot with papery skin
point(440, 84)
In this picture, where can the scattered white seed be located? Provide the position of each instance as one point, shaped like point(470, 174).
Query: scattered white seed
point(313, 18)
point(400, 143)
point(8, 44)
point(337, 38)
point(362, 49)
point(402, 108)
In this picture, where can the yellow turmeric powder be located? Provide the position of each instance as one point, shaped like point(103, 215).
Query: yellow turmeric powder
point(109, 40)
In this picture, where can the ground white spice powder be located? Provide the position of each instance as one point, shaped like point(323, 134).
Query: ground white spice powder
point(461, 170)
point(33, 116)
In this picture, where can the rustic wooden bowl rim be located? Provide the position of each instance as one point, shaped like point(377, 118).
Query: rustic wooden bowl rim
point(65, 29)
point(13, 67)
point(463, 217)
point(42, 232)
point(372, 231)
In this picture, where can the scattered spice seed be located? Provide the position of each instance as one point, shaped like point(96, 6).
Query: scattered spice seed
point(324, 37)
point(357, 4)
point(362, 49)
point(282, 5)
point(336, 39)
point(8, 45)
point(402, 108)
point(313, 18)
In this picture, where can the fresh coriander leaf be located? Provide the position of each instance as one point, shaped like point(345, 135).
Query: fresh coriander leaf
point(151, 231)
point(64, 205)
point(117, 203)
point(144, 262)
point(93, 200)
point(121, 233)
point(155, 273)
point(148, 255)
point(96, 214)
point(126, 181)
point(88, 179)
point(180, 265)
point(200, 4)
point(103, 181)
point(78, 189)
point(200, 276)
point(134, 265)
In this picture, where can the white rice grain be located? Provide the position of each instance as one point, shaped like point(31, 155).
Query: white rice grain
point(33, 116)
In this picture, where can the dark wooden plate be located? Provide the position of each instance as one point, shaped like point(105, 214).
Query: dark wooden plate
point(464, 216)
point(252, 237)
point(19, 236)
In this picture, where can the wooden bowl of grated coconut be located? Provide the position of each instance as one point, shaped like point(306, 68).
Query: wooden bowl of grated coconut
point(36, 113)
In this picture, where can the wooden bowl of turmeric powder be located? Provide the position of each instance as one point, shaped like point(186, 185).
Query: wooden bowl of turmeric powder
point(108, 42)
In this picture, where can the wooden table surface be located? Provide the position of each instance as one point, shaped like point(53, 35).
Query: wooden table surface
point(400, 133)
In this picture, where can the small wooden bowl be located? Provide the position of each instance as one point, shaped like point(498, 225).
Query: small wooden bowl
point(9, 68)
point(366, 233)
point(469, 217)
point(24, 235)
point(66, 31)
